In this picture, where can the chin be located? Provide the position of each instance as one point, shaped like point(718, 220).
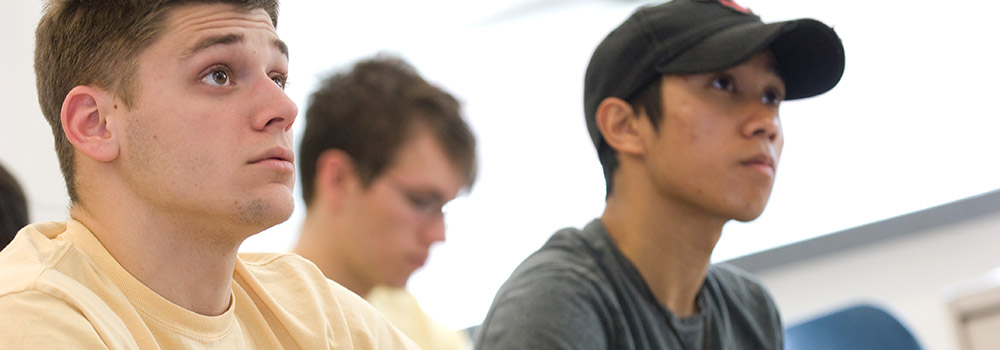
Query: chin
point(748, 214)
point(265, 213)
point(746, 218)
point(747, 210)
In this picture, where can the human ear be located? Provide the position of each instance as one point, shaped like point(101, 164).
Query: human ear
point(335, 177)
point(85, 122)
point(616, 119)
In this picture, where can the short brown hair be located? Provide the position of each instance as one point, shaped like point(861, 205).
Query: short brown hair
point(98, 42)
point(370, 111)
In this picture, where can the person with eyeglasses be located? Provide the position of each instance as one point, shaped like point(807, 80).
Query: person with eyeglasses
point(382, 152)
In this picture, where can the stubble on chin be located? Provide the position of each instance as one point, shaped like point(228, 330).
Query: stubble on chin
point(262, 214)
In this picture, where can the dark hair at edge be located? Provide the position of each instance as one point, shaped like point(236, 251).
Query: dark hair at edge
point(13, 207)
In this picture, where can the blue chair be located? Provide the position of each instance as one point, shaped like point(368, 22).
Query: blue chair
point(858, 327)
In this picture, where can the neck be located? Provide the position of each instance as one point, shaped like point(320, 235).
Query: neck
point(188, 266)
point(669, 245)
point(317, 244)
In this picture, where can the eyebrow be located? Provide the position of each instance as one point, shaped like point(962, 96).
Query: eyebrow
point(281, 46)
point(431, 193)
point(230, 39)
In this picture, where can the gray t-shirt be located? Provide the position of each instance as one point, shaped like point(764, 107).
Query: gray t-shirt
point(579, 292)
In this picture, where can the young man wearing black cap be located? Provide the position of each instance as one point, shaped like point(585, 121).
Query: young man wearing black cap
point(681, 101)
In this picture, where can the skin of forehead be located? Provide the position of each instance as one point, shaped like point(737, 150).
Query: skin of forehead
point(197, 19)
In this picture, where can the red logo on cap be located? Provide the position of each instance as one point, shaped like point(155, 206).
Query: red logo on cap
point(733, 5)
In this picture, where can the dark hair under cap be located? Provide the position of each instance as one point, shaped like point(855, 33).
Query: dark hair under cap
point(698, 36)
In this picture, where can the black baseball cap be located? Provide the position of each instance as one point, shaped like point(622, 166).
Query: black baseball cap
point(699, 36)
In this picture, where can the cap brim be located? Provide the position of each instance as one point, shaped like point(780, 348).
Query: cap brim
point(809, 55)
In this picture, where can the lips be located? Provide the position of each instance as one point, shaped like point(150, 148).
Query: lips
point(277, 159)
point(276, 153)
point(419, 261)
point(761, 162)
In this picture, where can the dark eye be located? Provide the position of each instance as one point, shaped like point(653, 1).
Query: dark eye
point(723, 83)
point(420, 204)
point(217, 77)
point(772, 98)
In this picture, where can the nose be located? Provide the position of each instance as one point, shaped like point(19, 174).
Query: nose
point(434, 230)
point(763, 122)
point(274, 110)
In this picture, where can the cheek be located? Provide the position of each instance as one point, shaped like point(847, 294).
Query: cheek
point(779, 143)
point(697, 132)
point(388, 217)
point(689, 124)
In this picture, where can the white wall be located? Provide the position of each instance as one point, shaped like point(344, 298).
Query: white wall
point(903, 131)
point(26, 147)
point(908, 275)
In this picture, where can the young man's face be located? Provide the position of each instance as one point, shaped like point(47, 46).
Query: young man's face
point(718, 145)
point(398, 217)
point(208, 139)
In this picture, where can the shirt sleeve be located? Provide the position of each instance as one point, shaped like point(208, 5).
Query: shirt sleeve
point(37, 320)
point(545, 310)
point(369, 329)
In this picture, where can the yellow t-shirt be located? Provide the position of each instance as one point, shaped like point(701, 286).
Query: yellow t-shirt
point(61, 289)
point(402, 309)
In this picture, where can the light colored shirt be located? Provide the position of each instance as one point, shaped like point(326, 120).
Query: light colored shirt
point(402, 309)
point(61, 289)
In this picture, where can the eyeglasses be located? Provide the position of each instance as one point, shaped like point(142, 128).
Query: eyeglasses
point(425, 202)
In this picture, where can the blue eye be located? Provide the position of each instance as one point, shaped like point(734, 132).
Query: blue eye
point(281, 80)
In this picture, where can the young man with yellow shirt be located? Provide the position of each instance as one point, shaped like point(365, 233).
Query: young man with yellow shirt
point(173, 131)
